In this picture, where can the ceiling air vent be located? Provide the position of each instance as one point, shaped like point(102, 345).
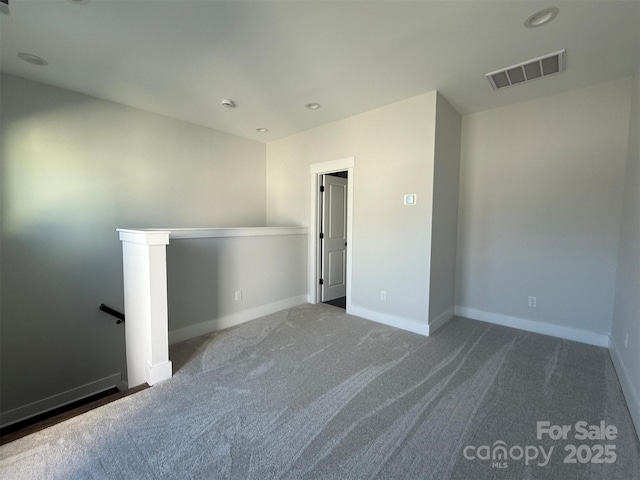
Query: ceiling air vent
point(527, 71)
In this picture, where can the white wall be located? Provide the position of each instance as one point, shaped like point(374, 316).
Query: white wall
point(445, 211)
point(626, 317)
point(393, 148)
point(74, 168)
point(541, 192)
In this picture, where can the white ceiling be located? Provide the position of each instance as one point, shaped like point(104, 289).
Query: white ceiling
point(180, 57)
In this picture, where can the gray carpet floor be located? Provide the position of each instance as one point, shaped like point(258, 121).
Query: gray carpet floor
point(313, 393)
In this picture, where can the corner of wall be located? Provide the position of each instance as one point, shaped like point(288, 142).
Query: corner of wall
point(444, 211)
point(625, 332)
point(631, 394)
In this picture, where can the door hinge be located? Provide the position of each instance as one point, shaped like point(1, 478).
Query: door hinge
point(321, 236)
point(321, 188)
point(321, 281)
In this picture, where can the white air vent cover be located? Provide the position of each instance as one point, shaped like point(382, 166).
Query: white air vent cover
point(527, 71)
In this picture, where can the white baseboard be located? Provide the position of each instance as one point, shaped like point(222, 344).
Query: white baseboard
point(568, 333)
point(391, 320)
point(59, 400)
point(440, 320)
point(631, 395)
point(159, 372)
point(204, 328)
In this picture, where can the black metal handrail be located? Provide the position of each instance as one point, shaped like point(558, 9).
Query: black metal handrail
point(111, 311)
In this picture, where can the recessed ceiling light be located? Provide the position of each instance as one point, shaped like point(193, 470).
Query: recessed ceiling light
point(541, 17)
point(313, 106)
point(262, 130)
point(79, 2)
point(33, 59)
point(228, 103)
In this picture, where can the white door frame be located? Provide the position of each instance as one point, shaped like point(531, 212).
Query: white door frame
point(317, 169)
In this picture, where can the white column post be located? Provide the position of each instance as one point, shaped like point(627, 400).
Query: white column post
point(145, 305)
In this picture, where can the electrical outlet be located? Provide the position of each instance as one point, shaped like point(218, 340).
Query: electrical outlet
point(533, 302)
point(626, 340)
point(238, 295)
point(383, 295)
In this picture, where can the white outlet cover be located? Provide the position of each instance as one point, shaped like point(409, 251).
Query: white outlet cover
point(410, 199)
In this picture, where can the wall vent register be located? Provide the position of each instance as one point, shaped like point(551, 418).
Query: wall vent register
point(527, 71)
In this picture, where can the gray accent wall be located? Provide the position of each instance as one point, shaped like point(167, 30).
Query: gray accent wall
point(540, 207)
point(75, 168)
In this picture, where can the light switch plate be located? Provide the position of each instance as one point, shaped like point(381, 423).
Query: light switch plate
point(410, 199)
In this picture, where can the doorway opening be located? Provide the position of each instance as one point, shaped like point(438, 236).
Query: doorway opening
point(330, 230)
point(332, 225)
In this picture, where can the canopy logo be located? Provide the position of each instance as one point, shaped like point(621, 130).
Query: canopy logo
point(499, 454)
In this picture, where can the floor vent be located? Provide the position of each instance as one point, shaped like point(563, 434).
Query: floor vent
point(527, 71)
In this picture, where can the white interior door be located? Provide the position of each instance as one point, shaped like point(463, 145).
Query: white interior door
point(334, 237)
